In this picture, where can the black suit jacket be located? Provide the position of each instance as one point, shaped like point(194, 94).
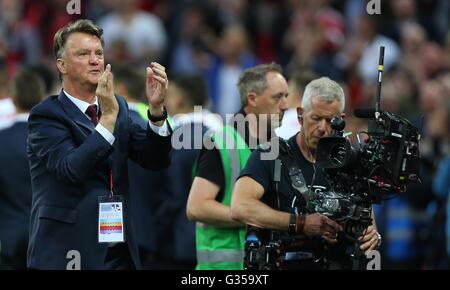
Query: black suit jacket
point(15, 196)
point(69, 165)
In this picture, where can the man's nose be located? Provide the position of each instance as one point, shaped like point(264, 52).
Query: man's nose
point(323, 126)
point(283, 104)
point(94, 59)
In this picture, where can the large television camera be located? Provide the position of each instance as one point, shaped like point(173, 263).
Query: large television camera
point(382, 166)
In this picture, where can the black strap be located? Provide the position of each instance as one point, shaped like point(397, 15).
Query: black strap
point(295, 174)
point(284, 149)
point(298, 182)
point(276, 179)
point(277, 171)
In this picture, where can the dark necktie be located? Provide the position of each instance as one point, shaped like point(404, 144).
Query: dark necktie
point(91, 111)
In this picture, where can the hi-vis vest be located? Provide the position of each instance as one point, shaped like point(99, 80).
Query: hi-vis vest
point(223, 248)
point(142, 110)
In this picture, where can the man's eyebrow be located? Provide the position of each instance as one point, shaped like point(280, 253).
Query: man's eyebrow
point(322, 116)
point(280, 94)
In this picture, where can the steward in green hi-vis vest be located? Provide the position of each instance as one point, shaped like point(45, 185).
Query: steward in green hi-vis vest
point(223, 248)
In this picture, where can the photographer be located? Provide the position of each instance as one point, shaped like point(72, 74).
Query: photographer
point(261, 201)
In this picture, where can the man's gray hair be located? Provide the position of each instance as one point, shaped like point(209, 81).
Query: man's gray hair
point(254, 80)
point(326, 89)
point(81, 25)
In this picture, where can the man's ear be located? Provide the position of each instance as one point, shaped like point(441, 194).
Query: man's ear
point(300, 112)
point(251, 99)
point(343, 115)
point(61, 65)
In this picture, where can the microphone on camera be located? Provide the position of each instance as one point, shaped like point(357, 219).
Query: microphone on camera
point(365, 113)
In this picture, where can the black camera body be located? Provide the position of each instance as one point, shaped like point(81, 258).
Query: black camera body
point(383, 165)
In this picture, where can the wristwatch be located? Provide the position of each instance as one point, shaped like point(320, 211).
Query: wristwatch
point(292, 224)
point(296, 224)
point(157, 118)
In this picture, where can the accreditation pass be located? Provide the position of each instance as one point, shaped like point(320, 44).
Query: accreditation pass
point(110, 219)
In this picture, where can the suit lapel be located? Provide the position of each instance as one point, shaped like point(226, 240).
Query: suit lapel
point(74, 113)
point(83, 121)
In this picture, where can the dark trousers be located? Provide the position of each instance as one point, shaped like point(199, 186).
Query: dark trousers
point(118, 258)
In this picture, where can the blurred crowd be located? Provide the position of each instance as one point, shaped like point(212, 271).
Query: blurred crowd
point(217, 39)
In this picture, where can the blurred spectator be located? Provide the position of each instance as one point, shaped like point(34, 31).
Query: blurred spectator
point(444, 80)
point(223, 74)
point(372, 40)
point(447, 47)
point(48, 76)
point(19, 36)
point(433, 60)
point(188, 101)
point(433, 105)
point(434, 145)
point(441, 187)
point(441, 18)
point(404, 12)
point(352, 10)
point(194, 40)
point(7, 109)
point(399, 94)
point(413, 38)
point(315, 35)
point(230, 11)
point(266, 22)
point(132, 34)
point(96, 9)
point(427, 15)
point(54, 15)
point(15, 180)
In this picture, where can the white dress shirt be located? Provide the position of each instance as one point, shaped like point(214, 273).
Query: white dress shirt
point(21, 118)
point(82, 105)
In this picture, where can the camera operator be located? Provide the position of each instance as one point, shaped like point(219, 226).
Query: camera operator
point(274, 206)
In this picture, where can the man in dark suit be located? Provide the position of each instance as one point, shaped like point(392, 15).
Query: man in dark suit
point(15, 185)
point(79, 143)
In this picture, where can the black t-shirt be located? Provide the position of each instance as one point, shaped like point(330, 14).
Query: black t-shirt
point(210, 167)
point(262, 171)
point(209, 164)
